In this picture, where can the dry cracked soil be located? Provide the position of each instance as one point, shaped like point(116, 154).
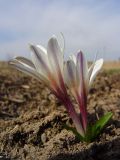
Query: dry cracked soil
point(32, 120)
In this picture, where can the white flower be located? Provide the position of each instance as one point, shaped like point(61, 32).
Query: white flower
point(76, 72)
point(47, 66)
point(79, 78)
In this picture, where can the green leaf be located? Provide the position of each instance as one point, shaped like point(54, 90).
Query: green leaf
point(99, 125)
point(89, 134)
point(92, 131)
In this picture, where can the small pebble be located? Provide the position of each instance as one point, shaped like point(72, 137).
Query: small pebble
point(43, 138)
point(25, 86)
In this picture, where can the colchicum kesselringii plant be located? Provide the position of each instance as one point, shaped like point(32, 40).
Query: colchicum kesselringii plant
point(48, 66)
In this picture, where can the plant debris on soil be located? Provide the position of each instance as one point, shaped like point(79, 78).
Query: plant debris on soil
point(32, 120)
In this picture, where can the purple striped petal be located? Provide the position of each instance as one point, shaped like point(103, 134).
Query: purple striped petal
point(82, 71)
point(82, 95)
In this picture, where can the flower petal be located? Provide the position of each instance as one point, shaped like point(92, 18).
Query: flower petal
point(55, 54)
point(26, 69)
point(55, 57)
point(70, 74)
point(73, 58)
point(40, 59)
point(82, 71)
point(91, 67)
point(25, 61)
point(96, 69)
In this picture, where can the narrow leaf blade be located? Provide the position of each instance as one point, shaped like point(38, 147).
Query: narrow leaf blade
point(99, 125)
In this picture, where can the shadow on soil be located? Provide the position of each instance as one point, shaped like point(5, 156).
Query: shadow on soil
point(5, 115)
point(108, 150)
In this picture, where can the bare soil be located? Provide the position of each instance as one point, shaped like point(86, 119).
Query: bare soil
point(111, 65)
point(32, 120)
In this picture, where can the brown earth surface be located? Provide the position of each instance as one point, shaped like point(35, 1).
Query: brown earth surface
point(32, 120)
point(111, 65)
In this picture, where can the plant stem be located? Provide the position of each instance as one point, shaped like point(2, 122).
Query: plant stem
point(73, 114)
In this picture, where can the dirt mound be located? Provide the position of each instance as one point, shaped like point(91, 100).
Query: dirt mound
point(31, 120)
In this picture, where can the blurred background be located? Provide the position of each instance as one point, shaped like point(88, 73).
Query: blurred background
point(92, 26)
